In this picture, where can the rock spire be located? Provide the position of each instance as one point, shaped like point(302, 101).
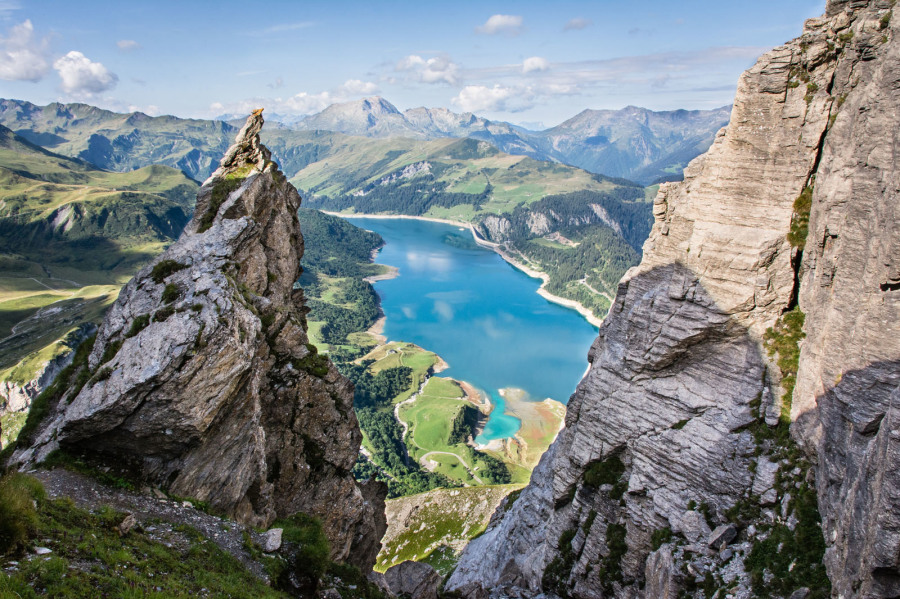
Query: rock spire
point(203, 378)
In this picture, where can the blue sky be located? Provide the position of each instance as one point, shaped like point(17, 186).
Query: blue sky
point(525, 62)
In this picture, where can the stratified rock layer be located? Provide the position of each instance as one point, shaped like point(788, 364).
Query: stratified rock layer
point(658, 438)
point(848, 384)
point(203, 377)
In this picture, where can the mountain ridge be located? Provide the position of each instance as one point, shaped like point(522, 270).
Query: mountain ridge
point(663, 135)
point(111, 139)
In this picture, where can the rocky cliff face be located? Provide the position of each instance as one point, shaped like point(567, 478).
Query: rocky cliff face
point(673, 473)
point(203, 379)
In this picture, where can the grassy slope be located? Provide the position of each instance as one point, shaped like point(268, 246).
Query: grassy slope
point(121, 142)
point(70, 235)
point(433, 527)
point(465, 166)
point(90, 559)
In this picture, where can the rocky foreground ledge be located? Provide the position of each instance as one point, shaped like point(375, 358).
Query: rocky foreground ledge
point(202, 378)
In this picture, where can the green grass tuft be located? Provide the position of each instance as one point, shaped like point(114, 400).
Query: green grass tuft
point(91, 559)
point(313, 363)
point(783, 340)
point(311, 558)
point(604, 472)
point(164, 269)
point(220, 192)
point(660, 537)
point(800, 219)
point(137, 325)
point(18, 516)
point(171, 293)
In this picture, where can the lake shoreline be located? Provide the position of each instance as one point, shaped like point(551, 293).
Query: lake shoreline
point(496, 247)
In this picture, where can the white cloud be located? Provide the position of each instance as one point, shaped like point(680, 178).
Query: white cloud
point(439, 69)
point(501, 24)
point(302, 103)
point(647, 72)
point(481, 98)
point(535, 63)
point(149, 109)
point(355, 87)
point(577, 23)
point(82, 76)
point(128, 45)
point(22, 57)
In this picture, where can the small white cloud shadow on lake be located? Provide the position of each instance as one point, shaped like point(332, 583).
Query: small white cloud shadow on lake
point(492, 329)
point(409, 312)
point(444, 310)
point(438, 263)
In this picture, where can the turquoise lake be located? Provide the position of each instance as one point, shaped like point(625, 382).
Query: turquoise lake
point(478, 313)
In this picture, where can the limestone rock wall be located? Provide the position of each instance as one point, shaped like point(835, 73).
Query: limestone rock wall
point(848, 383)
point(203, 378)
point(666, 437)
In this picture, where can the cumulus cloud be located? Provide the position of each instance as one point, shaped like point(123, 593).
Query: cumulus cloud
point(501, 24)
point(481, 98)
point(22, 56)
point(83, 77)
point(149, 109)
point(128, 45)
point(439, 69)
point(535, 63)
point(355, 87)
point(577, 23)
point(302, 103)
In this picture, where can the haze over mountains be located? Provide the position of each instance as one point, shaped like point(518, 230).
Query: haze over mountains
point(633, 143)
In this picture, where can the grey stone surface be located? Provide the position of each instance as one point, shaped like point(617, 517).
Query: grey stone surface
point(204, 379)
point(683, 339)
point(721, 536)
point(273, 540)
point(764, 478)
point(692, 525)
point(413, 579)
point(848, 384)
point(661, 574)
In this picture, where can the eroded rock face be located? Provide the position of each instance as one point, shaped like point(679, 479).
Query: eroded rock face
point(848, 384)
point(660, 428)
point(203, 377)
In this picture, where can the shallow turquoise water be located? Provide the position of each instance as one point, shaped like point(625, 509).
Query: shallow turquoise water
point(478, 313)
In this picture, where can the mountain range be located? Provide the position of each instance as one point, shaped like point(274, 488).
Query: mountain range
point(633, 143)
